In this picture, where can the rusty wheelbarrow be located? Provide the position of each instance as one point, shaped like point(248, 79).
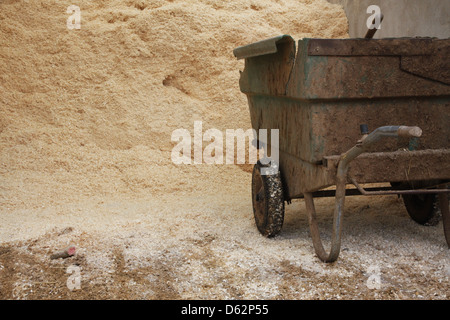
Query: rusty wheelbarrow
point(324, 99)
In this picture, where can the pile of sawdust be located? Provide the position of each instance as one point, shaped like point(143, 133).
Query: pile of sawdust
point(90, 112)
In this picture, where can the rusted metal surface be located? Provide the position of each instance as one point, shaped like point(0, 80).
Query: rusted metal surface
point(434, 66)
point(312, 130)
point(310, 101)
point(372, 47)
point(262, 48)
point(364, 69)
point(323, 255)
point(271, 72)
point(389, 192)
point(301, 176)
point(425, 57)
point(397, 166)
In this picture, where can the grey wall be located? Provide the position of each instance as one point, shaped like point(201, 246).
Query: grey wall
point(402, 18)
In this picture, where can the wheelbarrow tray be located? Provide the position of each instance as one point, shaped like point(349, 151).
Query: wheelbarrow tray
point(319, 96)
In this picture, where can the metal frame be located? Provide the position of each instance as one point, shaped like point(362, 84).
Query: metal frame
point(341, 180)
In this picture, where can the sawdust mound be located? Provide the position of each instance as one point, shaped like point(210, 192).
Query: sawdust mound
point(90, 112)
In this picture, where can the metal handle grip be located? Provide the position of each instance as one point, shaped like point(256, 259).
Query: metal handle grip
point(409, 132)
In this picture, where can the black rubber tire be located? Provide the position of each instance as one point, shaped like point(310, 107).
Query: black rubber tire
point(268, 201)
point(423, 208)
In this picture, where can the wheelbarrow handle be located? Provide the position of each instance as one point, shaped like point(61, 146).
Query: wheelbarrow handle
point(381, 132)
point(409, 132)
point(341, 180)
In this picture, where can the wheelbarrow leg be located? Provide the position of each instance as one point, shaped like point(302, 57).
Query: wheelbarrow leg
point(337, 224)
point(443, 203)
point(315, 234)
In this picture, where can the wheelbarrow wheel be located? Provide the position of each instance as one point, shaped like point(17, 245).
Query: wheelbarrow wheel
point(423, 208)
point(268, 201)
